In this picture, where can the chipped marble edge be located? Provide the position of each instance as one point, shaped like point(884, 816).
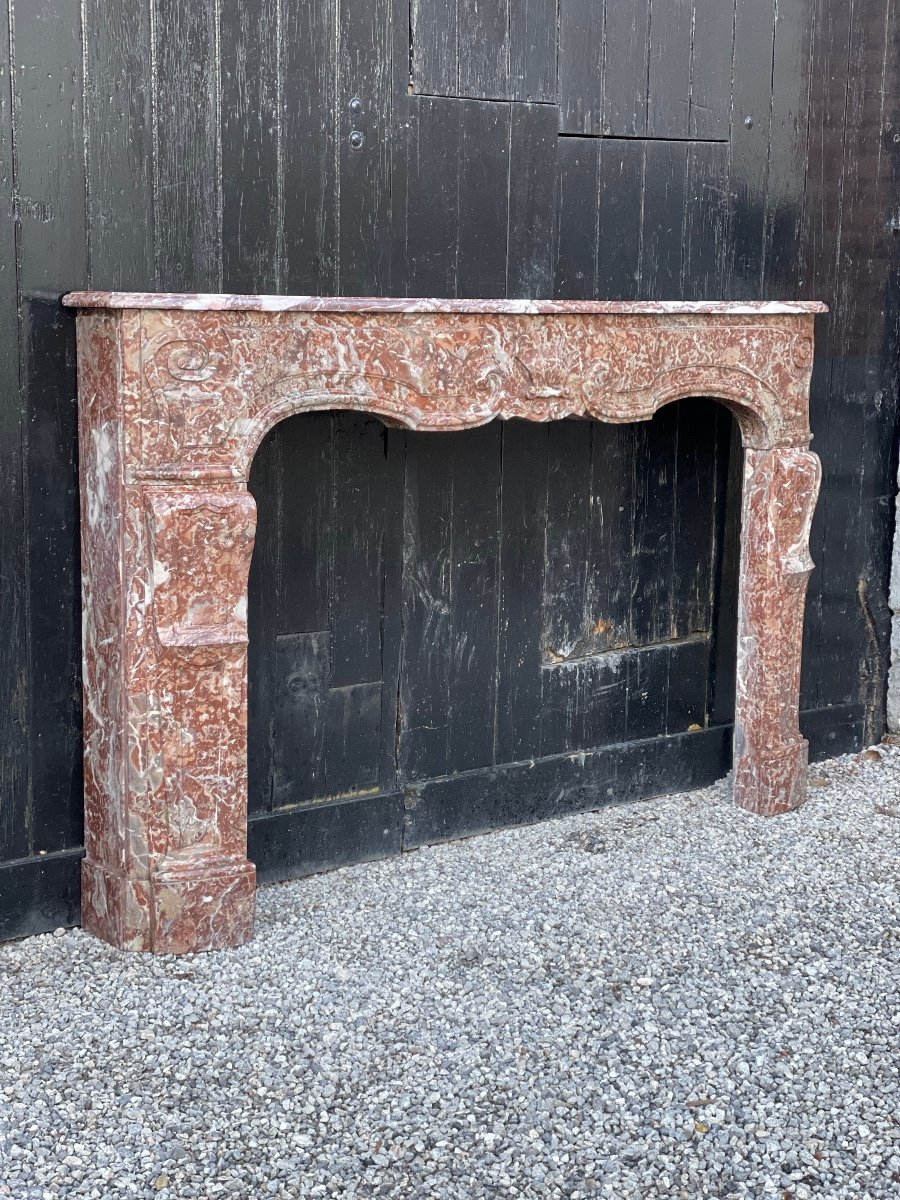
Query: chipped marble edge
point(220, 302)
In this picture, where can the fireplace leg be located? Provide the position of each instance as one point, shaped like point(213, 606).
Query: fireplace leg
point(770, 756)
point(166, 722)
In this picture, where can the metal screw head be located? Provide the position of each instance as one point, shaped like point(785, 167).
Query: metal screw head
point(356, 105)
point(748, 121)
point(356, 140)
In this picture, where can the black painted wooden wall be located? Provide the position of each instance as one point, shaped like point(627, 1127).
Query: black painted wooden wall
point(451, 632)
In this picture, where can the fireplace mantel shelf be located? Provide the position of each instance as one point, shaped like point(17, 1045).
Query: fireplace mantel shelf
point(175, 394)
point(226, 302)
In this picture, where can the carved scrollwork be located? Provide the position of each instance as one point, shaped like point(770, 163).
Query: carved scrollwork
point(802, 353)
point(184, 409)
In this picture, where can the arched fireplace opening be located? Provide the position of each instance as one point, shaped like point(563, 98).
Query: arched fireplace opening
point(455, 632)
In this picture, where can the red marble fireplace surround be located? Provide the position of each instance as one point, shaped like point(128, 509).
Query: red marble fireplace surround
point(175, 394)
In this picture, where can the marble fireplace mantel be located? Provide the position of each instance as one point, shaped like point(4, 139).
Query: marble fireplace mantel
point(175, 394)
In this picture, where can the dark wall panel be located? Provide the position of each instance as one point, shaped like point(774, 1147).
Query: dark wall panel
point(249, 103)
point(14, 682)
point(49, 195)
point(186, 145)
point(483, 49)
point(648, 68)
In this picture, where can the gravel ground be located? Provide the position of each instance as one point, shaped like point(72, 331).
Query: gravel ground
point(667, 999)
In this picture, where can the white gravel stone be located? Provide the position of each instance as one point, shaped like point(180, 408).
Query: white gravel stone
point(666, 999)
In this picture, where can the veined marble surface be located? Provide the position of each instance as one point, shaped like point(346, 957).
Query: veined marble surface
point(176, 393)
point(218, 302)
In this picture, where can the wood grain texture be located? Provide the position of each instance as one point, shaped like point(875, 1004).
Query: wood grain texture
point(187, 148)
point(14, 658)
point(250, 101)
point(482, 49)
point(52, 246)
point(309, 132)
point(119, 131)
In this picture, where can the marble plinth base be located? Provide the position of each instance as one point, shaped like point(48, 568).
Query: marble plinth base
point(774, 783)
point(204, 904)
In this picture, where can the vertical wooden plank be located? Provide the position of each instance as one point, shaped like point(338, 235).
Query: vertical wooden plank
point(480, 49)
point(581, 67)
point(357, 534)
point(787, 149)
point(266, 474)
point(473, 618)
point(625, 67)
point(434, 53)
point(48, 116)
point(119, 136)
point(882, 354)
point(705, 220)
point(392, 603)
point(483, 199)
point(662, 240)
point(621, 202)
point(712, 55)
point(561, 692)
point(669, 68)
point(301, 702)
point(364, 147)
point(602, 701)
point(308, 147)
point(353, 739)
point(187, 192)
point(47, 91)
point(522, 533)
point(647, 692)
point(564, 638)
point(576, 255)
point(430, 220)
point(568, 536)
point(306, 523)
point(14, 682)
point(654, 533)
point(851, 654)
point(248, 46)
point(54, 605)
point(609, 582)
point(694, 525)
point(428, 598)
point(608, 586)
point(483, 49)
point(829, 83)
point(723, 646)
point(687, 686)
point(829, 74)
point(532, 200)
point(750, 125)
point(532, 50)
